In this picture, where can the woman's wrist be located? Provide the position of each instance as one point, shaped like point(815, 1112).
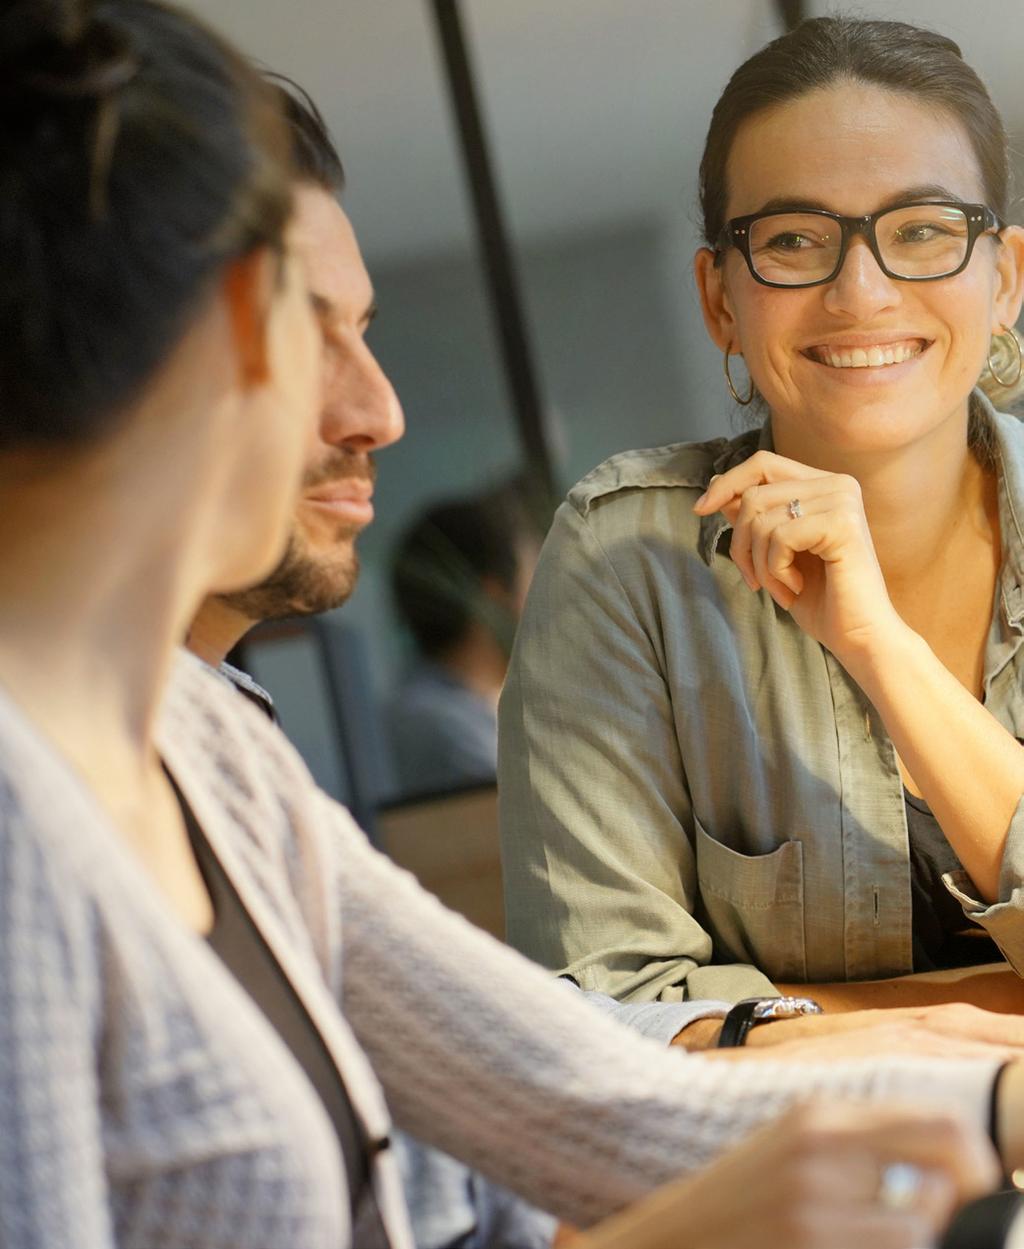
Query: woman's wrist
point(876, 656)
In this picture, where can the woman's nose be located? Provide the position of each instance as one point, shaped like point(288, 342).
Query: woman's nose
point(861, 288)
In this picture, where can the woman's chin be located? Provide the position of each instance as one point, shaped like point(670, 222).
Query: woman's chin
point(869, 425)
point(249, 568)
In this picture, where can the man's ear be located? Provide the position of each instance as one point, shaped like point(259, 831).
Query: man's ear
point(1009, 279)
point(714, 299)
point(249, 284)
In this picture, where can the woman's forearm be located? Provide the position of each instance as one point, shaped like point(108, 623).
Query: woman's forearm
point(969, 769)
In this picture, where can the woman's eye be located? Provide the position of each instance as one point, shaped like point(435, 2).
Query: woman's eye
point(924, 232)
point(790, 242)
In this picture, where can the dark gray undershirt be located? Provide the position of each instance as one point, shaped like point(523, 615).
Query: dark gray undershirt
point(943, 935)
point(240, 946)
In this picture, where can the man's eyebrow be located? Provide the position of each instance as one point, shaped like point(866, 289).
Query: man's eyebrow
point(909, 195)
point(327, 311)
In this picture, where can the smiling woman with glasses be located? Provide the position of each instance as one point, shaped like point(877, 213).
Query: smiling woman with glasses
point(761, 727)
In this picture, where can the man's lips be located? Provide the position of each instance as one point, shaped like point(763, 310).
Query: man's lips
point(348, 500)
point(867, 351)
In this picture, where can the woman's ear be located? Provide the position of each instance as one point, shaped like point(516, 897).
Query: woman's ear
point(714, 299)
point(249, 284)
point(1009, 291)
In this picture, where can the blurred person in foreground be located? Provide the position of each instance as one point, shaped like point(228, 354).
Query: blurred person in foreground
point(459, 579)
point(208, 979)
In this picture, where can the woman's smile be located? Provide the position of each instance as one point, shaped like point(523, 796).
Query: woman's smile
point(872, 355)
point(867, 359)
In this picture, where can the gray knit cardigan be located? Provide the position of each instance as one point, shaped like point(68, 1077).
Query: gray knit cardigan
point(146, 1104)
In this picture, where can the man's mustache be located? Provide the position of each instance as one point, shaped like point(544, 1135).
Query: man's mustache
point(340, 466)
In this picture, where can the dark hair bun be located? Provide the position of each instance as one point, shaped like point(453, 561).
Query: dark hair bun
point(62, 48)
point(139, 155)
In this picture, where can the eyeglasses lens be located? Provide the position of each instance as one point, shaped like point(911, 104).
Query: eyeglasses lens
point(922, 240)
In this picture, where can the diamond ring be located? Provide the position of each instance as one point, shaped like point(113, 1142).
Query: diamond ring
point(795, 510)
point(899, 1185)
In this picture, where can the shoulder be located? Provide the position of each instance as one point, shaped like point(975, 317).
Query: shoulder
point(644, 500)
point(231, 750)
point(206, 707)
point(676, 467)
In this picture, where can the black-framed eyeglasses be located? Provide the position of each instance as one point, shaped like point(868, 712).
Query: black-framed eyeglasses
point(807, 247)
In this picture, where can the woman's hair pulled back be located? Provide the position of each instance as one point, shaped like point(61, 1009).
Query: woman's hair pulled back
point(139, 154)
point(826, 50)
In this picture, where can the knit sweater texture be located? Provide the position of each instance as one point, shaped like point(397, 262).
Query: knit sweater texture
point(146, 1104)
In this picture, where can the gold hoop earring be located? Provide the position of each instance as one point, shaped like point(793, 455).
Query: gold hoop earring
point(1017, 358)
point(732, 389)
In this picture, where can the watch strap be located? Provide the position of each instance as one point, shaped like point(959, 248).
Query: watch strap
point(738, 1023)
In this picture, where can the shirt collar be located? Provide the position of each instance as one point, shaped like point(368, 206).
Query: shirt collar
point(714, 527)
point(1009, 451)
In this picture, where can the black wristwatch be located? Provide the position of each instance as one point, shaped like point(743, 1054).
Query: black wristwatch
point(754, 1010)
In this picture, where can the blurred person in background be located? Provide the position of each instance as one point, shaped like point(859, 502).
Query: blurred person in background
point(761, 729)
point(459, 579)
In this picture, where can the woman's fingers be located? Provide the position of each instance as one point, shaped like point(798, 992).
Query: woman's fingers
point(934, 1142)
point(777, 546)
point(762, 508)
point(762, 468)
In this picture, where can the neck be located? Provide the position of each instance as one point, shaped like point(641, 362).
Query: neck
point(217, 628)
point(99, 565)
point(917, 499)
point(479, 663)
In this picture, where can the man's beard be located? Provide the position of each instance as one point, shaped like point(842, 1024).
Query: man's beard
point(302, 584)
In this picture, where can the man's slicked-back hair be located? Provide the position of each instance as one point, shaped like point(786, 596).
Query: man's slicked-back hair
point(314, 154)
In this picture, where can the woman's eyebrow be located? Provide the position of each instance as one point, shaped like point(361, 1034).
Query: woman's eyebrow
point(909, 195)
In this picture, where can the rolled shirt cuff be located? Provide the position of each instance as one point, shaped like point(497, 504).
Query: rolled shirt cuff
point(659, 1021)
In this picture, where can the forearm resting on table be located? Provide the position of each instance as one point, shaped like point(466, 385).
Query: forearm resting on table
point(994, 987)
point(968, 767)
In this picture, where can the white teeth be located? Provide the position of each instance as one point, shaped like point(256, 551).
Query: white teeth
point(872, 357)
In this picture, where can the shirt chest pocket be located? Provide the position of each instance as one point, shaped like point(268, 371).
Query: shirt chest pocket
point(752, 905)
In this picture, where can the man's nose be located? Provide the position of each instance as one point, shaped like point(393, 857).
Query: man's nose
point(361, 410)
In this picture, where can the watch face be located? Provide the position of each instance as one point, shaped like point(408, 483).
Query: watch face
point(785, 1008)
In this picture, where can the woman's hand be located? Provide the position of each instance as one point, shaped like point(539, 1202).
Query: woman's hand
point(814, 1178)
point(820, 564)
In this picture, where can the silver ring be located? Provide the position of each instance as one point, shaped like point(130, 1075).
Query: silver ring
point(795, 510)
point(899, 1186)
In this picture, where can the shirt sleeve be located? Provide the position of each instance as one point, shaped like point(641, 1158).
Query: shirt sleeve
point(660, 1021)
point(483, 1055)
point(597, 826)
point(1003, 919)
point(53, 1188)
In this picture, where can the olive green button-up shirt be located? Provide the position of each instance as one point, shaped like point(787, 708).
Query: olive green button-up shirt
point(696, 799)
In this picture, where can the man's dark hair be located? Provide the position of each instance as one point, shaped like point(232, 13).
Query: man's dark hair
point(440, 565)
point(825, 50)
point(140, 154)
point(314, 154)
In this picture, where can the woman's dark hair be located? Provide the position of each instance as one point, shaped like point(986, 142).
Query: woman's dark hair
point(139, 154)
point(826, 50)
point(314, 155)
